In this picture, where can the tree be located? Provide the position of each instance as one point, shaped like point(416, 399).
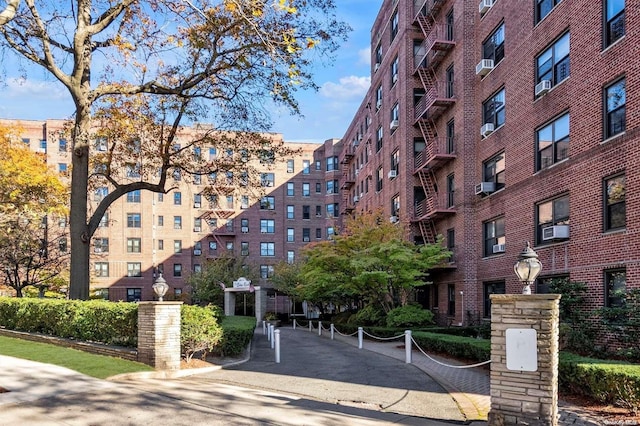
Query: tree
point(369, 260)
point(30, 253)
point(228, 61)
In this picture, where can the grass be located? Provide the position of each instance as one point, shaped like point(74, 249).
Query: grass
point(99, 366)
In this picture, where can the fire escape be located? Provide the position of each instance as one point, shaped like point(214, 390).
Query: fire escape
point(429, 105)
point(220, 208)
point(348, 180)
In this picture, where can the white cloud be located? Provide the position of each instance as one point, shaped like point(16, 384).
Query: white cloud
point(21, 88)
point(364, 56)
point(348, 88)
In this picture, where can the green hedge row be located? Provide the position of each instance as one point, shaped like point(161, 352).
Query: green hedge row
point(238, 332)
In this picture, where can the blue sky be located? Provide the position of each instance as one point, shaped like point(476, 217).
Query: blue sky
point(327, 113)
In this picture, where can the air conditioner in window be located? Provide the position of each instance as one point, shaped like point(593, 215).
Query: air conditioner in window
point(244, 229)
point(376, 67)
point(393, 219)
point(484, 6)
point(394, 79)
point(378, 103)
point(357, 171)
point(543, 87)
point(196, 205)
point(498, 248)
point(485, 188)
point(361, 194)
point(555, 232)
point(197, 252)
point(394, 125)
point(356, 198)
point(305, 239)
point(359, 138)
point(484, 66)
point(197, 229)
point(393, 174)
point(486, 129)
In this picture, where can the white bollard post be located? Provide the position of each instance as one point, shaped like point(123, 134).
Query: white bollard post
point(359, 337)
point(319, 328)
point(407, 346)
point(294, 323)
point(264, 327)
point(277, 339)
point(272, 333)
point(268, 332)
point(332, 330)
point(310, 325)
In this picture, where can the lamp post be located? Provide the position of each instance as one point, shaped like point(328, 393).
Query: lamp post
point(160, 287)
point(527, 268)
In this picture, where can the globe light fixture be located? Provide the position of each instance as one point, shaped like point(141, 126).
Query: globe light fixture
point(527, 268)
point(160, 287)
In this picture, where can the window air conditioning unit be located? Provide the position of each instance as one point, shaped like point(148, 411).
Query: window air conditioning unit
point(394, 125)
point(393, 174)
point(393, 219)
point(543, 87)
point(357, 171)
point(356, 198)
point(378, 103)
point(485, 188)
point(196, 205)
point(197, 229)
point(361, 194)
point(498, 248)
point(359, 138)
point(376, 67)
point(484, 6)
point(394, 79)
point(197, 252)
point(555, 232)
point(305, 239)
point(244, 229)
point(486, 129)
point(484, 66)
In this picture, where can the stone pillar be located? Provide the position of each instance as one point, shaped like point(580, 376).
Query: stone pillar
point(261, 303)
point(159, 334)
point(524, 359)
point(229, 303)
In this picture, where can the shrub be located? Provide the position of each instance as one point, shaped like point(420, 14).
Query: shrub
point(237, 334)
point(199, 330)
point(369, 315)
point(409, 316)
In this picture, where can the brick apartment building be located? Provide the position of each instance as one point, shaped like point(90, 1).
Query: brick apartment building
point(494, 123)
point(145, 233)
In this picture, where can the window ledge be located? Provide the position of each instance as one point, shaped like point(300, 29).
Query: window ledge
point(614, 231)
point(612, 138)
point(606, 49)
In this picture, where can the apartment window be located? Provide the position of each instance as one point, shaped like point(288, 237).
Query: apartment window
point(553, 142)
point(318, 233)
point(451, 299)
point(62, 145)
point(177, 246)
point(267, 179)
point(395, 161)
point(615, 282)
point(394, 71)
point(197, 224)
point(290, 166)
point(614, 21)
point(100, 144)
point(266, 271)
point(213, 245)
point(318, 211)
point(161, 245)
point(379, 134)
point(229, 225)
point(104, 221)
point(379, 179)
point(177, 198)
point(134, 269)
point(332, 163)
point(330, 232)
point(306, 212)
point(451, 243)
point(449, 87)
point(267, 203)
point(493, 171)
point(133, 196)
point(615, 216)
point(177, 222)
point(177, 269)
point(267, 249)
point(229, 245)
point(133, 220)
point(290, 189)
point(160, 197)
point(244, 202)
point(101, 269)
point(306, 165)
point(497, 287)
point(290, 212)
point(449, 24)
point(332, 186)
point(550, 213)
point(318, 187)
point(197, 179)
point(244, 248)
point(395, 116)
point(133, 170)
point(543, 7)
point(62, 222)
point(62, 244)
point(306, 190)
point(450, 190)
point(306, 235)
point(160, 220)
point(451, 132)
point(62, 168)
point(615, 101)
point(379, 97)
point(493, 46)
point(318, 165)
point(291, 235)
point(133, 245)
point(134, 294)
point(197, 248)
point(291, 256)
point(267, 226)
point(100, 193)
point(553, 64)
point(395, 206)
point(230, 205)
point(197, 201)
point(394, 25)
point(378, 58)
point(494, 238)
point(493, 110)
point(332, 209)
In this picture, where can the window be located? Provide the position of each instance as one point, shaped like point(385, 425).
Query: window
point(451, 133)
point(494, 238)
point(451, 243)
point(318, 211)
point(290, 212)
point(134, 269)
point(160, 220)
point(133, 170)
point(614, 21)
point(451, 187)
point(552, 142)
point(177, 246)
point(290, 166)
point(318, 165)
point(133, 220)
point(449, 24)
point(332, 210)
point(266, 271)
point(394, 25)
point(318, 233)
point(134, 294)
point(244, 202)
point(332, 186)
point(160, 244)
point(100, 193)
point(177, 198)
point(543, 7)
point(493, 171)
point(290, 189)
point(553, 64)
point(332, 163)
point(267, 203)
point(104, 221)
point(244, 248)
point(615, 216)
point(330, 232)
point(290, 235)
point(379, 179)
point(379, 97)
point(306, 235)
point(395, 206)
point(379, 134)
point(177, 222)
point(160, 197)
point(395, 116)
point(306, 164)
point(62, 145)
point(543, 284)
point(451, 299)
point(101, 269)
point(394, 71)
point(267, 179)
point(306, 190)
point(449, 88)
point(395, 161)
point(62, 168)
point(133, 245)
point(229, 245)
point(493, 109)
point(267, 226)
point(197, 201)
point(490, 288)
point(133, 196)
point(615, 282)
point(290, 256)
point(306, 212)
point(213, 245)
point(197, 248)
point(550, 213)
point(267, 249)
point(229, 225)
point(62, 244)
point(318, 187)
point(493, 46)
point(62, 222)
point(197, 179)
point(230, 205)
point(615, 116)
point(177, 269)
point(100, 144)
point(378, 58)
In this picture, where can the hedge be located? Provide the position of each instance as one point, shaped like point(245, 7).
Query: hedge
point(238, 332)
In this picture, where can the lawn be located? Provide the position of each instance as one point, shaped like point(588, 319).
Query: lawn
point(98, 366)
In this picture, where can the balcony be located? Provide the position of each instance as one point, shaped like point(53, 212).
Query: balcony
point(435, 206)
point(437, 153)
point(438, 42)
point(432, 104)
